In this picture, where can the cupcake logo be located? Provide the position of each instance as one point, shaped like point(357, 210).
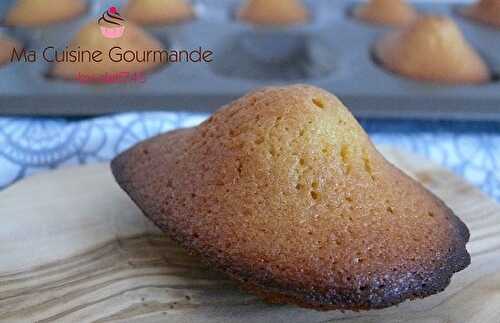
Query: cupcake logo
point(111, 24)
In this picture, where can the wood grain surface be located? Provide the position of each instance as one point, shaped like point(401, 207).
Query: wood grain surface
point(74, 248)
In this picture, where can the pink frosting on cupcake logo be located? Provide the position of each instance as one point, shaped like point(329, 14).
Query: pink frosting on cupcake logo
point(111, 24)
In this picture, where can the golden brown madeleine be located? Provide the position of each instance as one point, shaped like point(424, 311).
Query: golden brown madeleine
point(7, 45)
point(397, 13)
point(159, 12)
point(432, 49)
point(90, 37)
point(485, 11)
point(283, 191)
point(33, 13)
point(274, 12)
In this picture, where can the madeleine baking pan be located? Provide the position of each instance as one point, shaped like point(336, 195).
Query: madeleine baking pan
point(333, 51)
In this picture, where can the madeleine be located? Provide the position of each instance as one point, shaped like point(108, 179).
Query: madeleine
point(432, 49)
point(284, 192)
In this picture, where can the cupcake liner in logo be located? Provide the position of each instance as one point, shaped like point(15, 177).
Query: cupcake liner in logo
point(111, 24)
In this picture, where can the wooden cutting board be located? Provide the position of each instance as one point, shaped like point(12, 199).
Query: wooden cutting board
point(74, 248)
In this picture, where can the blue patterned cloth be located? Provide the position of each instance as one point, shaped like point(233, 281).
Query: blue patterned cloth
point(31, 145)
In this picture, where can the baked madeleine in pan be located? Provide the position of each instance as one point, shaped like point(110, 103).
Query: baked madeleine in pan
point(432, 49)
point(274, 12)
point(35, 13)
point(159, 12)
point(395, 13)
